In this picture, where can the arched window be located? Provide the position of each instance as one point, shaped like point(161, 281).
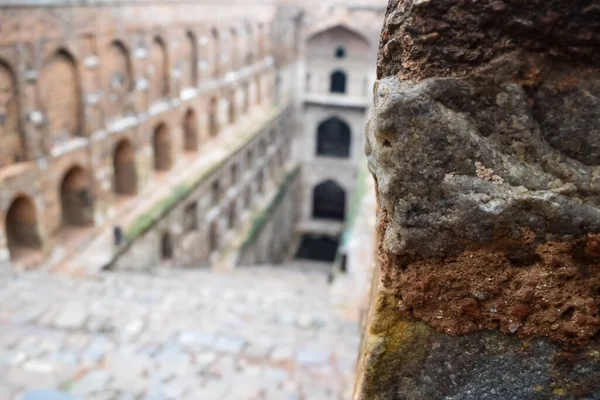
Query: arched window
point(232, 107)
point(190, 73)
point(338, 82)
point(119, 78)
point(161, 142)
point(216, 53)
point(233, 55)
point(329, 201)
point(190, 131)
point(76, 198)
point(159, 70)
point(11, 150)
point(22, 228)
point(125, 173)
point(214, 240)
point(340, 52)
point(213, 122)
point(333, 138)
point(59, 89)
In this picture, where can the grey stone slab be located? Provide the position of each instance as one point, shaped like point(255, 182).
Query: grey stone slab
point(73, 316)
point(196, 339)
point(312, 357)
point(229, 345)
point(257, 351)
point(46, 395)
point(92, 382)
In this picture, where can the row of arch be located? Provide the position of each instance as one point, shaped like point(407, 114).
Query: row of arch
point(59, 88)
point(75, 190)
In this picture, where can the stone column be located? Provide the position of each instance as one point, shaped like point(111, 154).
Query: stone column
point(484, 142)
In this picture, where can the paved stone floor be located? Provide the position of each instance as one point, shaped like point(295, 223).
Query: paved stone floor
point(256, 333)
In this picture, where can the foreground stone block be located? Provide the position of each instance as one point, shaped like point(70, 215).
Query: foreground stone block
point(484, 141)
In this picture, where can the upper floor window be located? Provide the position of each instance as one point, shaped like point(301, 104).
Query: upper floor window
point(338, 82)
point(340, 52)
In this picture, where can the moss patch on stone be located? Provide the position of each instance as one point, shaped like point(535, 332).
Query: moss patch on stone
point(393, 347)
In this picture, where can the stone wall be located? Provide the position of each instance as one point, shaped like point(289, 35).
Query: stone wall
point(199, 223)
point(483, 144)
point(272, 230)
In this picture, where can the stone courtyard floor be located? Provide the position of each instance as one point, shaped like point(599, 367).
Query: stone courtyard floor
point(254, 333)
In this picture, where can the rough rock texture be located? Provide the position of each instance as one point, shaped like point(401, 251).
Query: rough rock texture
point(484, 141)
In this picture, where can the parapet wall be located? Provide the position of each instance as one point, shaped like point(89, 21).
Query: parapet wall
point(484, 141)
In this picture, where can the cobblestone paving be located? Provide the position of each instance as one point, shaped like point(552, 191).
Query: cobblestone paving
point(260, 333)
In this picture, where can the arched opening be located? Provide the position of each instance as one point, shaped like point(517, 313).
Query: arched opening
point(329, 201)
point(338, 82)
point(190, 217)
point(333, 138)
point(232, 216)
point(258, 90)
point(191, 61)
point(233, 48)
point(59, 91)
point(247, 197)
point(232, 112)
point(317, 248)
point(11, 150)
point(249, 59)
point(124, 169)
point(213, 123)
point(190, 131)
point(261, 41)
point(21, 227)
point(213, 237)
point(234, 174)
point(340, 52)
point(215, 192)
point(249, 160)
point(76, 198)
point(216, 53)
point(261, 181)
point(166, 246)
point(246, 98)
point(161, 142)
point(158, 70)
point(119, 80)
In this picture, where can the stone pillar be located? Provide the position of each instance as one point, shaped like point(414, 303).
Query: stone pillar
point(484, 142)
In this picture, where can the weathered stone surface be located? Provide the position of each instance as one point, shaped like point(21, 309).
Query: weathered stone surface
point(483, 141)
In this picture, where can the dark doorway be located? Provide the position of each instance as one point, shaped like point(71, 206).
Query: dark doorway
point(213, 123)
point(76, 198)
point(338, 82)
point(166, 246)
point(317, 248)
point(333, 138)
point(190, 131)
point(329, 201)
point(22, 227)
point(161, 143)
point(213, 238)
point(124, 169)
